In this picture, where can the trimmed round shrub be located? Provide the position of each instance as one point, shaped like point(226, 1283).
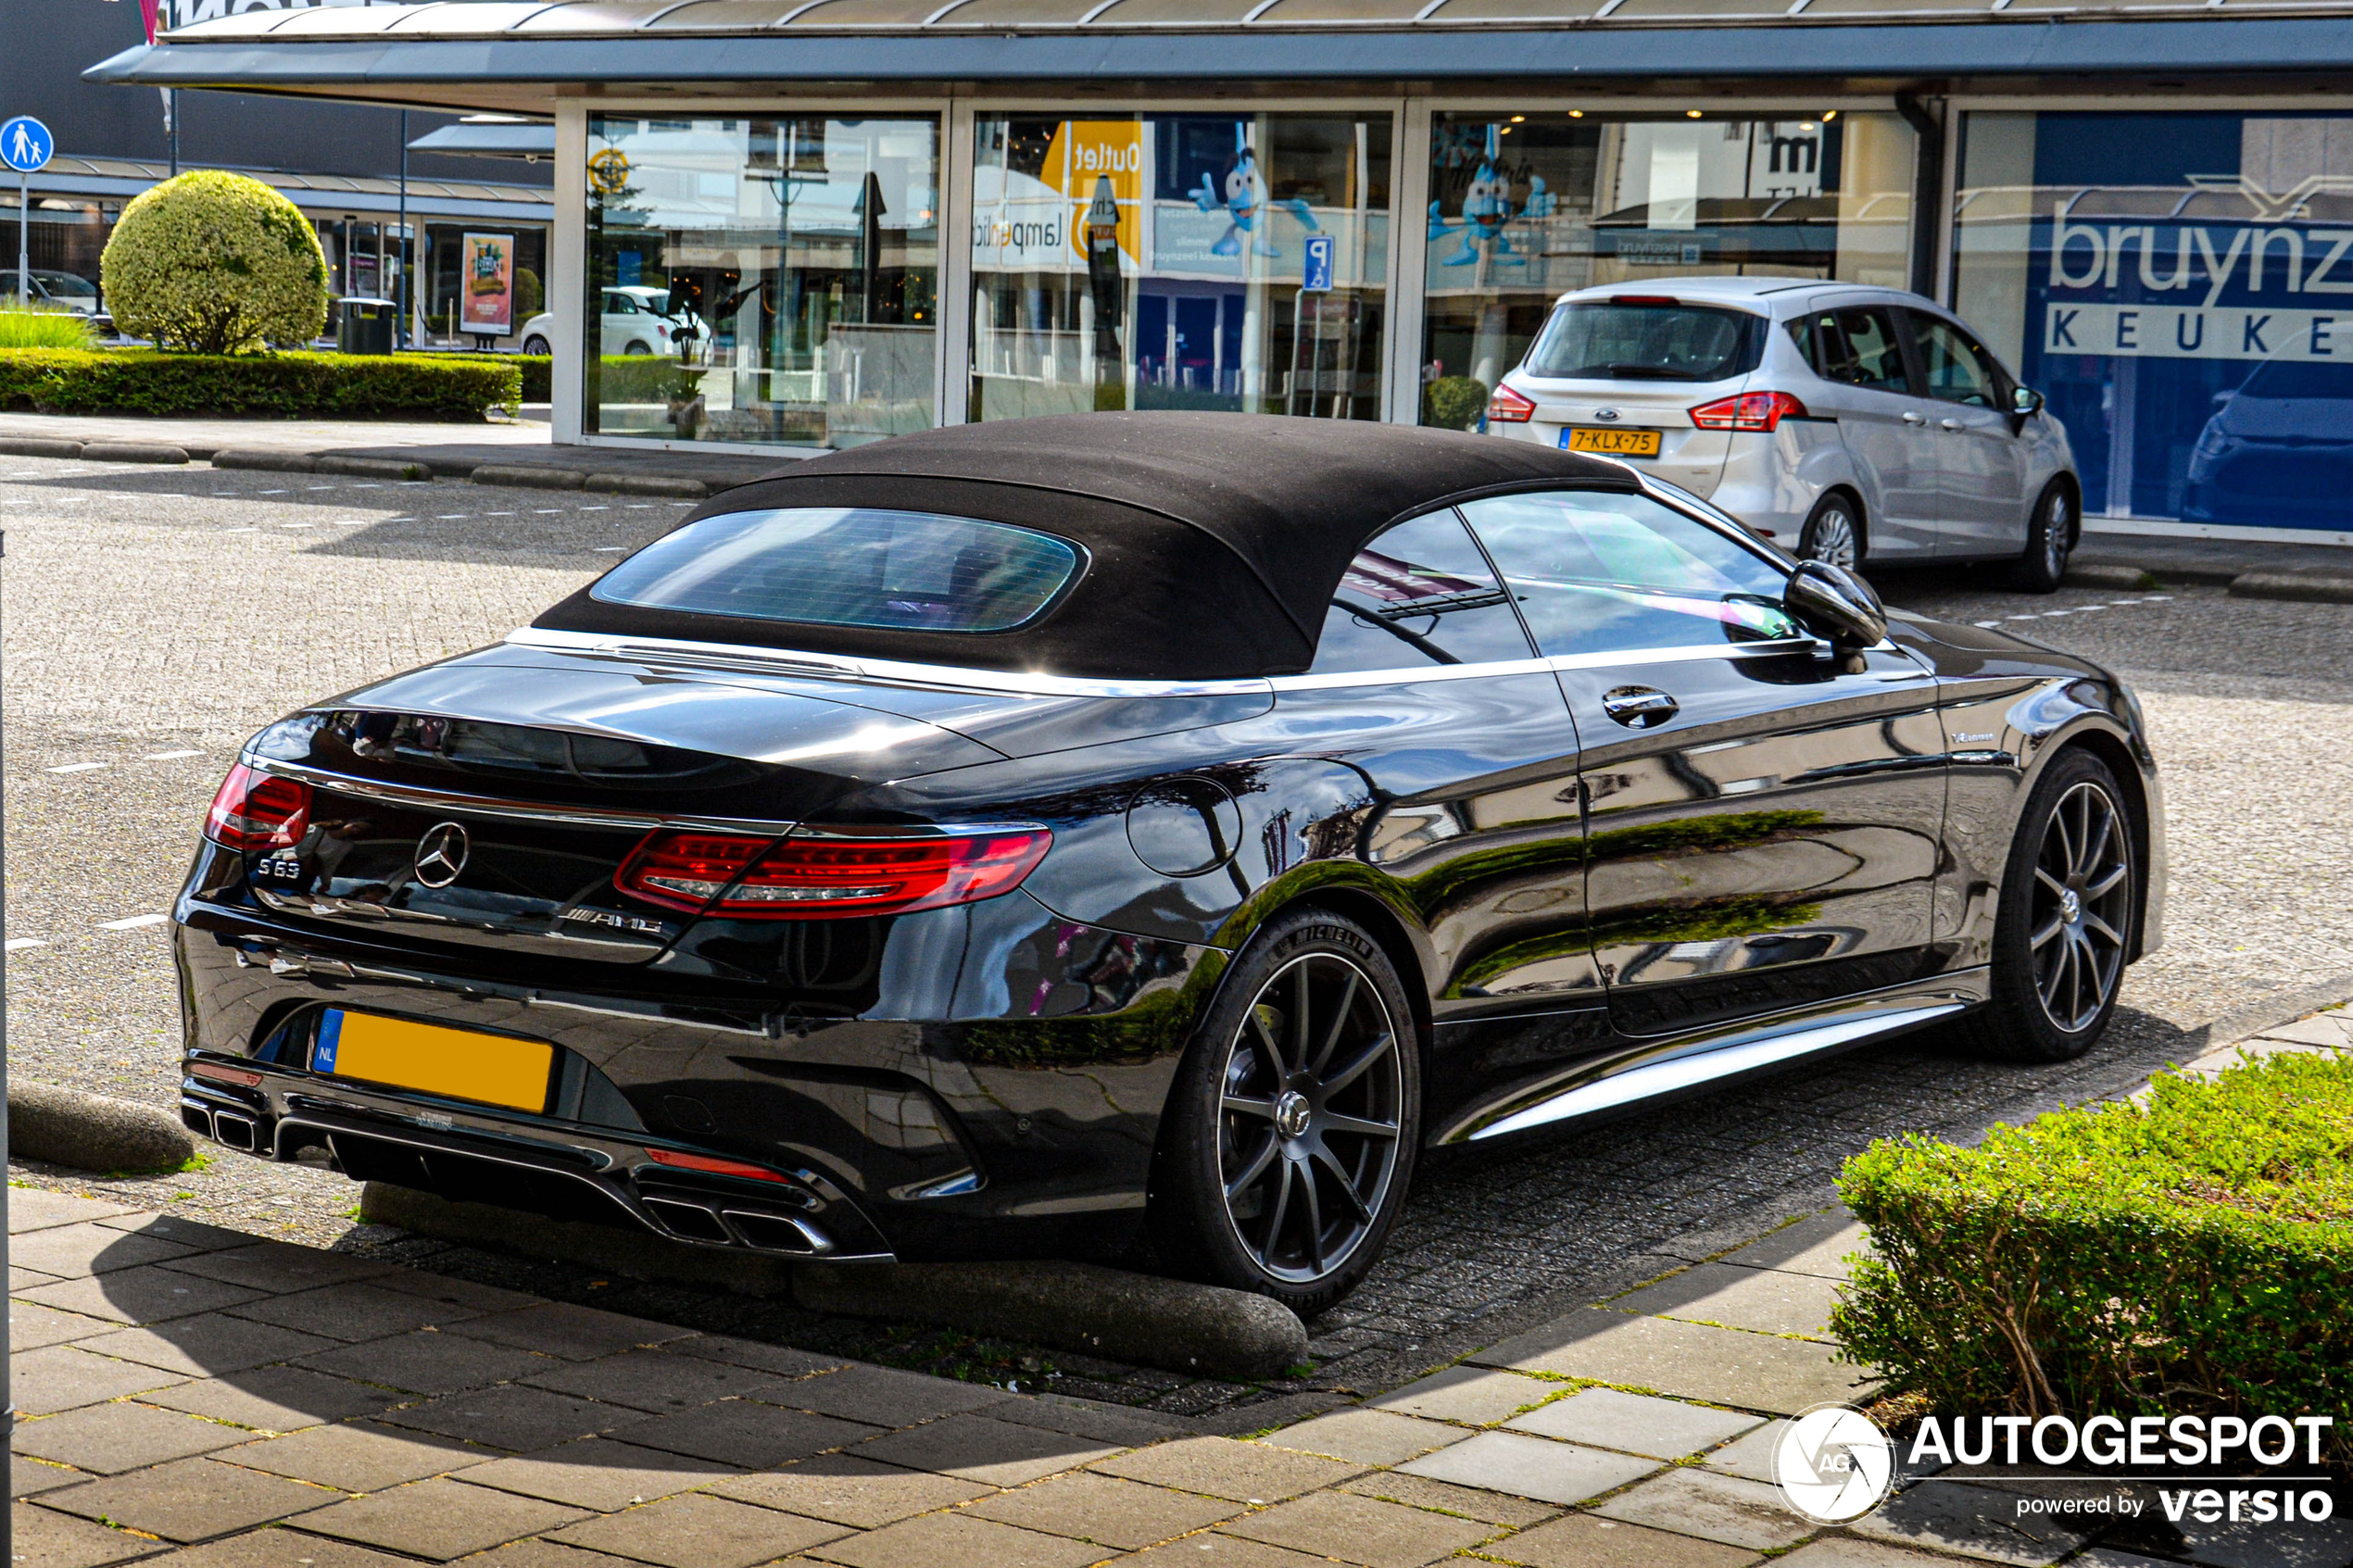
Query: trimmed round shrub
point(1456, 402)
point(215, 263)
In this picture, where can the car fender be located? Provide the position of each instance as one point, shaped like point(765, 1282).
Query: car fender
point(1824, 466)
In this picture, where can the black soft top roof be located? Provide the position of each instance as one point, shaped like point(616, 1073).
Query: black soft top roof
point(1214, 541)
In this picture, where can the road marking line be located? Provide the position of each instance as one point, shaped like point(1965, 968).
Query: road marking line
point(318, 488)
point(610, 549)
point(451, 517)
point(595, 508)
point(641, 505)
point(498, 514)
point(169, 756)
point(133, 923)
point(351, 522)
point(546, 511)
point(294, 525)
point(18, 943)
point(77, 768)
point(269, 491)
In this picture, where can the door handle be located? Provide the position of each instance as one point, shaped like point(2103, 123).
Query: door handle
point(1912, 419)
point(1950, 425)
point(1638, 707)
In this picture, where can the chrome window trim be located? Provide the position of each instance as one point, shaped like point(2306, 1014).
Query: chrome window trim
point(882, 672)
point(488, 806)
point(1783, 645)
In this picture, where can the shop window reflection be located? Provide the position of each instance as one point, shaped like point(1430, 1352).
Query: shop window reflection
point(762, 280)
point(1525, 207)
point(1180, 262)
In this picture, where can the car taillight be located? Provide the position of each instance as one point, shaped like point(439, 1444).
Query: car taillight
point(1509, 408)
point(828, 875)
point(1748, 410)
point(255, 810)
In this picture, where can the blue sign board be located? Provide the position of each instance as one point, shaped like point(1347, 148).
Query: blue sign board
point(25, 144)
point(1318, 268)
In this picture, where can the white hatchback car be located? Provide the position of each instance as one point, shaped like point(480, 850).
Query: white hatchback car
point(636, 319)
point(1842, 422)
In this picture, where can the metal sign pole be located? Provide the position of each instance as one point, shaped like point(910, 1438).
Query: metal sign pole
point(24, 235)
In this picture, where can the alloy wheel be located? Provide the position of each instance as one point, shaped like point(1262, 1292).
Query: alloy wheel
point(1833, 539)
point(2059, 523)
point(1308, 1118)
point(2081, 908)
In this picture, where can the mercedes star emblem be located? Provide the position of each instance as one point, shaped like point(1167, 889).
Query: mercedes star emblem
point(441, 855)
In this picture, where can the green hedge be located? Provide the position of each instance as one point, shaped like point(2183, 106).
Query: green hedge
point(536, 369)
point(140, 381)
point(2189, 1254)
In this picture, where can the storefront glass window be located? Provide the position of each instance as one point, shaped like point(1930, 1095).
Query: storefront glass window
point(762, 279)
point(2180, 287)
point(1525, 207)
point(1180, 261)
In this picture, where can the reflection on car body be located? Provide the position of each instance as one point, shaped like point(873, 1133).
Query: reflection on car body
point(913, 855)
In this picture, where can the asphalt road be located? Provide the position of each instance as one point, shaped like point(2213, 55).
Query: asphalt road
point(155, 618)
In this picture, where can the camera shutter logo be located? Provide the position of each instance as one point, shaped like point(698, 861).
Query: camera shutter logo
point(441, 855)
point(1834, 1465)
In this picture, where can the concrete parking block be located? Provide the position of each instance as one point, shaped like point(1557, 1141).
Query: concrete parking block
point(428, 1361)
point(1817, 1245)
point(1104, 1510)
point(974, 1448)
point(439, 1519)
point(1584, 1541)
point(1420, 1491)
point(598, 1473)
point(359, 1309)
point(1752, 1370)
point(1367, 1436)
point(71, 1250)
point(1716, 1508)
point(514, 1416)
point(1751, 1455)
point(936, 1538)
point(781, 1359)
point(207, 1344)
point(358, 1456)
point(110, 1439)
point(30, 1478)
point(279, 1266)
point(189, 1500)
point(140, 1296)
point(696, 1531)
point(31, 1325)
point(855, 1491)
point(1530, 1467)
point(659, 1381)
point(1471, 1394)
point(749, 1435)
point(1971, 1521)
point(572, 1332)
point(37, 1209)
point(1604, 1418)
point(1222, 1467)
point(277, 1399)
point(281, 1547)
point(43, 1540)
point(884, 1397)
point(65, 1377)
point(1361, 1530)
point(1768, 1301)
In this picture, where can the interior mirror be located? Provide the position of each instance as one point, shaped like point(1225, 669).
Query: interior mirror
point(2025, 400)
point(1834, 603)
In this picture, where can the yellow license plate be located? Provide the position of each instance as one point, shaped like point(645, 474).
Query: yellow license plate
point(1616, 443)
point(398, 1054)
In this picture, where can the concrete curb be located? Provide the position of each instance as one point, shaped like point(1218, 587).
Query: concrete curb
point(1196, 1329)
point(528, 478)
point(266, 458)
point(1173, 1325)
point(370, 468)
point(38, 446)
point(2099, 576)
point(132, 452)
point(646, 485)
point(92, 1131)
point(2309, 587)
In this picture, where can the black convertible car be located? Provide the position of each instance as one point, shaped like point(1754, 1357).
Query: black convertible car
point(1037, 839)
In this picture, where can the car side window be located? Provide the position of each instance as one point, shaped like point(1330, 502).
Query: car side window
point(1958, 368)
point(1420, 594)
point(1857, 347)
point(1604, 572)
point(620, 304)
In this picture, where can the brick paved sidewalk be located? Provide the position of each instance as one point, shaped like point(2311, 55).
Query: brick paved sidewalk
point(192, 1391)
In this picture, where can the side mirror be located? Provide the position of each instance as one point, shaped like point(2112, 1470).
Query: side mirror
point(1834, 602)
point(2025, 400)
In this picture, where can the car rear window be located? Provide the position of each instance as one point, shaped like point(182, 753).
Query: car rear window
point(1644, 339)
point(2287, 379)
point(849, 565)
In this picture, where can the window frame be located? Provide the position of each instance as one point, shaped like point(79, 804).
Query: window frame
point(2003, 385)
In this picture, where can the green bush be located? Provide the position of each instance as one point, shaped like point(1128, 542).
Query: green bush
point(531, 298)
point(537, 369)
point(1456, 402)
point(639, 378)
point(2193, 1254)
point(215, 263)
point(41, 326)
point(342, 387)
